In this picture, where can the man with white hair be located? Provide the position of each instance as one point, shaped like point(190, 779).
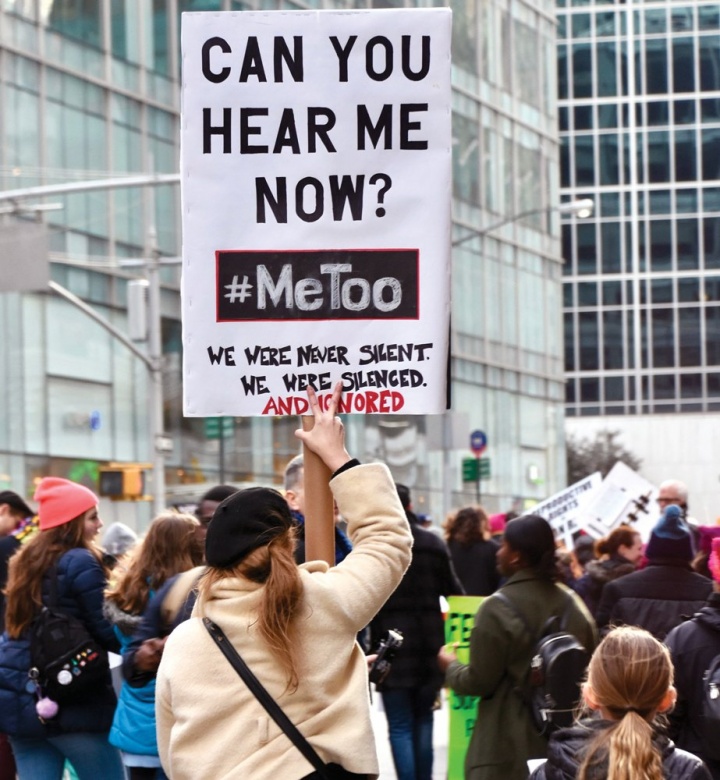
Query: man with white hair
point(673, 491)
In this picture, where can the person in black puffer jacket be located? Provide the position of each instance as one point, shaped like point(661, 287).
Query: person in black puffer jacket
point(619, 553)
point(629, 685)
point(693, 645)
point(666, 592)
point(411, 689)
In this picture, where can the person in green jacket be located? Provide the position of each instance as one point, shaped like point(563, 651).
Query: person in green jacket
point(504, 736)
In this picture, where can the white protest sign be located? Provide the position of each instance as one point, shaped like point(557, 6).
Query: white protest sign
point(316, 190)
point(623, 497)
point(562, 510)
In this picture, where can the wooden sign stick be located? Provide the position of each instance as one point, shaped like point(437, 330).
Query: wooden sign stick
point(319, 513)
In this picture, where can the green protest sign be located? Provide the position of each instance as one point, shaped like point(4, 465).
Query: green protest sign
point(463, 709)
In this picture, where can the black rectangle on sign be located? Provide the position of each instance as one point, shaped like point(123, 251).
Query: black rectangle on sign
point(343, 284)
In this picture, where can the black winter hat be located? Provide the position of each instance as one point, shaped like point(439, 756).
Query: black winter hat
point(243, 522)
point(670, 538)
point(13, 500)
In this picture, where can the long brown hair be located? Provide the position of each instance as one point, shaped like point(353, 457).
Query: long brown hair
point(630, 674)
point(28, 566)
point(470, 525)
point(170, 546)
point(274, 566)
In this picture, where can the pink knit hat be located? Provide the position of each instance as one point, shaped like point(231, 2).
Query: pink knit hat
point(60, 501)
point(714, 560)
point(497, 523)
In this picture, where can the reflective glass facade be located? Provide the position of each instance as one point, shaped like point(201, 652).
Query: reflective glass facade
point(91, 90)
point(639, 113)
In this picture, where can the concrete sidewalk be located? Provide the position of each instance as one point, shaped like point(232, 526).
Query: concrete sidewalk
point(440, 741)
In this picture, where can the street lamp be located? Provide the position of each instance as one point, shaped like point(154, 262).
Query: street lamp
point(582, 208)
point(153, 361)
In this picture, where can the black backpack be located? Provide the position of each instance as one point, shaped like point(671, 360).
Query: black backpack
point(65, 658)
point(710, 722)
point(551, 688)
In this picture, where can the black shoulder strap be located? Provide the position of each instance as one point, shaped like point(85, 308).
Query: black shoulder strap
point(563, 617)
point(569, 602)
point(509, 602)
point(267, 701)
point(53, 585)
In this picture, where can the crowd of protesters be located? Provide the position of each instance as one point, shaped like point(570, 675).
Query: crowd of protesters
point(648, 613)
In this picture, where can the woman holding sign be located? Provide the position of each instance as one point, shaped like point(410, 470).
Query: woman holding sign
point(294, 627)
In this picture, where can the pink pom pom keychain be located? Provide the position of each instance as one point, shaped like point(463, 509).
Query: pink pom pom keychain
point(46, 708)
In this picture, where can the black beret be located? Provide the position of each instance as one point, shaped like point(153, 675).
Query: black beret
point(243, 522)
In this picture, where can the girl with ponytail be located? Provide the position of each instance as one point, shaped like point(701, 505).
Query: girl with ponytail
point(629, 688)
point(294, 627)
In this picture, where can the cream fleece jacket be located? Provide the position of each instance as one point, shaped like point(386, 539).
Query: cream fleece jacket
point(210, 727)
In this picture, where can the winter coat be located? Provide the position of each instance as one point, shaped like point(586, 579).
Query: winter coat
point(158, 622)
point(80, 586)
point(693, 645)
point(504, 737)
point(476, 566)
point(211, 727)
point(657, 598)
point(597, 574)
point(133, 727)
point(565, 754)
point(414, 610)
point(9, 545)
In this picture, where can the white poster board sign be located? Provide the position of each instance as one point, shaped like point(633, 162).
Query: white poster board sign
point(597, 506)
point(316, 191)
point(563, 509)
point(623, 497)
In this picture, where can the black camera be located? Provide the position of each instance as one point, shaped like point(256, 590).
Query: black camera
point(386, 649)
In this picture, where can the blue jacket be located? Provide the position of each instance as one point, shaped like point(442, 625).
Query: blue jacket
point(153, 625)
point(80, 586)
point(133, 728)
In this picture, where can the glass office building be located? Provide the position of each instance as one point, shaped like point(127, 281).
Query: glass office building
point(90, 90)
point(639, 112)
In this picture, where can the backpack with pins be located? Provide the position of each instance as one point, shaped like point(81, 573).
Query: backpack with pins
point(65, 659)
point(552, 686)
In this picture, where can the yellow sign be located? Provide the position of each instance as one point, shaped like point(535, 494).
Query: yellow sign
point(463, 709)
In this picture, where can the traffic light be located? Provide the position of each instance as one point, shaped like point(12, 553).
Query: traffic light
point(122, 482)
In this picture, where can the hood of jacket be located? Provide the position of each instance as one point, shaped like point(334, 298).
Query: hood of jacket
point(610, 569)
point(125, 621)
point(709, 615)
point(567, 748)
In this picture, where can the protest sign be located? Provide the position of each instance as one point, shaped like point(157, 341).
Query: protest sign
point(596, 506)
point(623, 497)
point(562, 510)
point(316, 189)
point(463, 709)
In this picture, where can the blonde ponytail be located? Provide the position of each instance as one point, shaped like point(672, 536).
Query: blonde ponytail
point(630, 675)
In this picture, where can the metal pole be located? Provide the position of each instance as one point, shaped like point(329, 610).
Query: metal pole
point(154, 359)
point(447, 464)
point(477, 481)
point(156, 389)
point(143, 180)
point(109, 327)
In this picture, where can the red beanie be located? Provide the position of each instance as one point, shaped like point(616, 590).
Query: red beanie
point(60, 501)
